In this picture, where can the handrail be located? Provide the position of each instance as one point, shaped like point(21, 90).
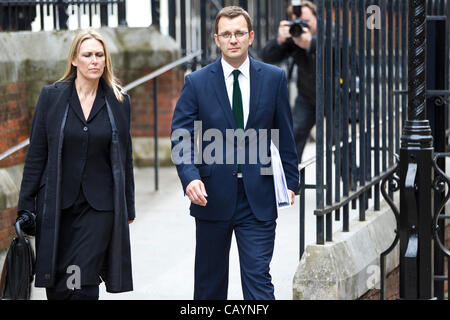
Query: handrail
point(126, 88)
point(14, 149)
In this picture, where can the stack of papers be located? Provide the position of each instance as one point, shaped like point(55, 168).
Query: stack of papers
point(279, 179)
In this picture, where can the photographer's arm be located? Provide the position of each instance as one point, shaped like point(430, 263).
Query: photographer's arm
point(273, 52)
point(280, 48)
point(312, 47)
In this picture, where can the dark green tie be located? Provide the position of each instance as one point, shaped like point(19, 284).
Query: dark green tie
point(238, 111)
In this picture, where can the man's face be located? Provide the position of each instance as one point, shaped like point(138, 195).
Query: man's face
point(308, 16)
point(235, 48)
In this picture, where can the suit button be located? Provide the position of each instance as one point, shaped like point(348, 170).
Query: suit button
point(85, 129)
point(234, 173)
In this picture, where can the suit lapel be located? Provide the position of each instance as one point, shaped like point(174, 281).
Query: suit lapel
point(76, 105)
point(255, 86)
point(99, 102)
point(221, 92)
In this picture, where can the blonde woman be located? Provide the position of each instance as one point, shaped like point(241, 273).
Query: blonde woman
point(78, 178)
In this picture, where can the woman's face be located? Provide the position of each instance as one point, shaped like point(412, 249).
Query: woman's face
point(90, 61)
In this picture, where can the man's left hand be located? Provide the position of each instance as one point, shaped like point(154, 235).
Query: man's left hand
point(304, 41)
point(292, 196)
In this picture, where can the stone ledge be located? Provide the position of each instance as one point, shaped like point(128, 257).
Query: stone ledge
point(10, 179)
point(348, 267)
point(130, 48)
point(144, 153)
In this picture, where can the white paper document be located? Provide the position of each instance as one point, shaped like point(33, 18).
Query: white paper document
point(279, 179)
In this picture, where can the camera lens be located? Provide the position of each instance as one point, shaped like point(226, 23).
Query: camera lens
point(295, 30)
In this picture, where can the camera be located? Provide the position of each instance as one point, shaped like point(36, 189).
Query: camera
point(296, 27)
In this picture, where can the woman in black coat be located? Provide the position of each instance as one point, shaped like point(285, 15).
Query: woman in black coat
point(78, 178)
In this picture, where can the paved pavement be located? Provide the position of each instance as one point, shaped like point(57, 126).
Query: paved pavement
point(163, 243)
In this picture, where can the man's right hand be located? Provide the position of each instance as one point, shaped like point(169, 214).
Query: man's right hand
point(283, 32)
point(196, 192)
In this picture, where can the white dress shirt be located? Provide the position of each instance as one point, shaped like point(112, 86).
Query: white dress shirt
point(244, 84)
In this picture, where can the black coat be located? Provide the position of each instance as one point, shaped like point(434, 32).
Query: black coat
point(41, 184)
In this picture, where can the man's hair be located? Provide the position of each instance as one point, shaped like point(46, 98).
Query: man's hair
point(308, 4)
point(233, 12)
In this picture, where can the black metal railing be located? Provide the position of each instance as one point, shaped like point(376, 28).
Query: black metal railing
point(361, 109)
point(357, 115)
point(20, 14)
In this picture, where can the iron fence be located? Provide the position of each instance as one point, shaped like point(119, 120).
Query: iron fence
point(18, 15)
point(359, 124)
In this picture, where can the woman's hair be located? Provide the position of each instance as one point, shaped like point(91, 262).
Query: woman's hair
point(233, 12)
point(108, 74)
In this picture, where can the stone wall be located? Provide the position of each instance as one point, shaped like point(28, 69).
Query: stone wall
point(348, 267)
point(30, 60)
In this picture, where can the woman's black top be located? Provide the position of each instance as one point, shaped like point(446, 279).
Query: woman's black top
point(86, 161)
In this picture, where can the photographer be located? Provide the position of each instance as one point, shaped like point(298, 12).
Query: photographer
point(297, 39)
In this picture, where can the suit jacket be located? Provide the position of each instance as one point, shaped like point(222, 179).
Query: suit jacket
point(40, 190)
point(204, 98)
point(86, 149)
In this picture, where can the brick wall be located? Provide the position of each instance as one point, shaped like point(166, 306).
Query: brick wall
point(7, 231)
point(14, 120)
point(142, 106)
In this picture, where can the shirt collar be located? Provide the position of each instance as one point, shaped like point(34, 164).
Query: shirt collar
point(244, 68)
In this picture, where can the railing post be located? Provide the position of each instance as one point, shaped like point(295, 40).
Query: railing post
point(62, 15)
point(155, 131)
point(172, 19)
point(155, 13)
point(436, 62)
point(203, 39)
point(122, 13)
point(320, 112)
point(183, 28)
point(416, 154)
point(103, 13)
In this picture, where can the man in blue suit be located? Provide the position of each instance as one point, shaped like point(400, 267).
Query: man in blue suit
point(235, 93)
